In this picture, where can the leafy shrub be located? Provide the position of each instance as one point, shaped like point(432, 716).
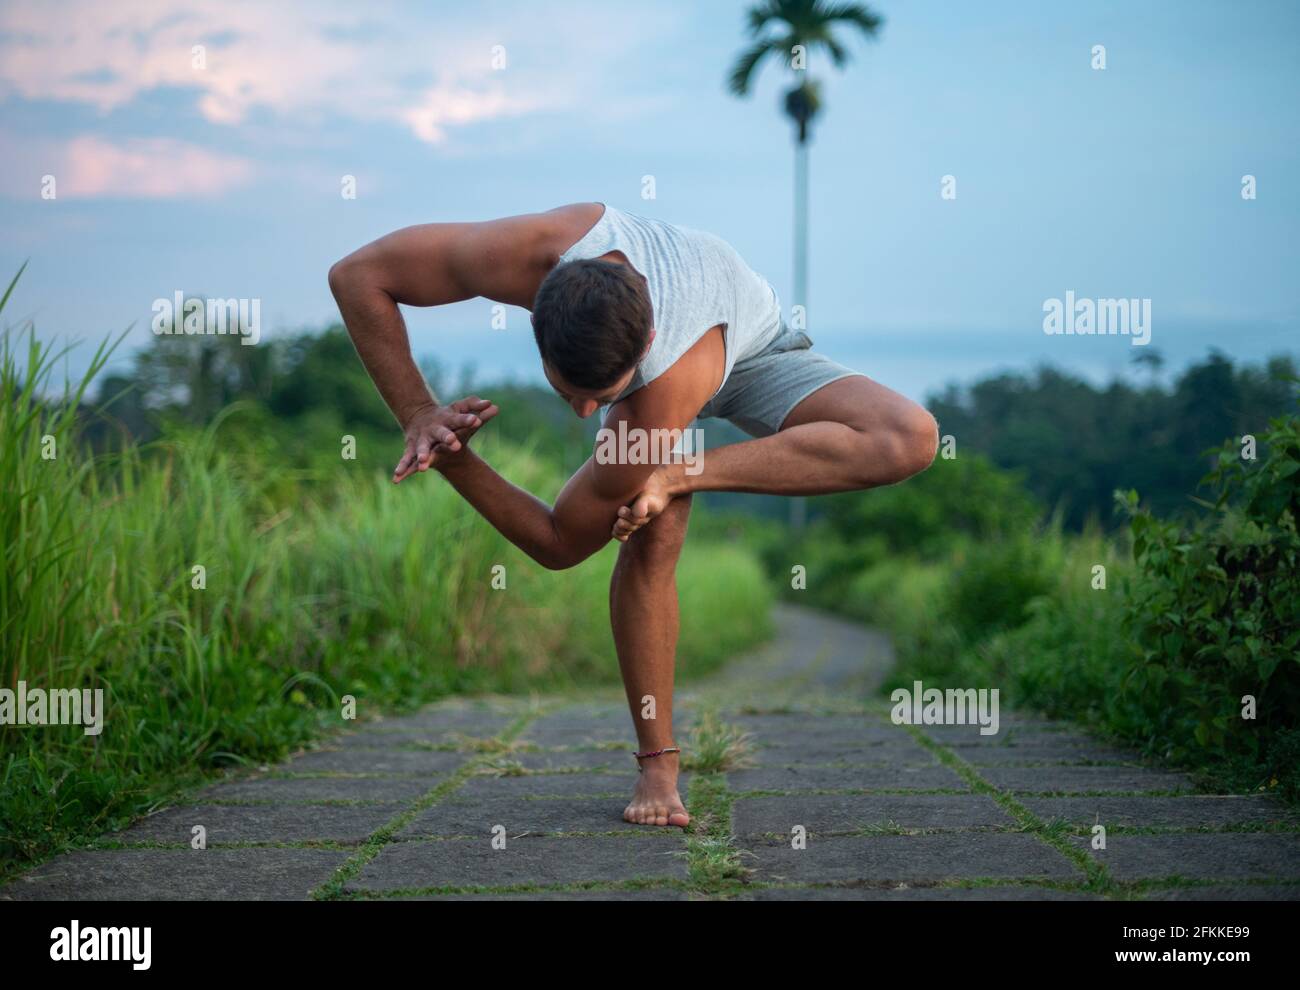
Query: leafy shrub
point(964, 496)
point(1214, 609)
point(991, 588)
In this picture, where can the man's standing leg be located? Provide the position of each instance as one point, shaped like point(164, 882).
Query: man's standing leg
point(643, 612)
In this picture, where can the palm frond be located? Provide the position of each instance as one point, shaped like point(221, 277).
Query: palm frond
point(857, 14)
point(761, 15)
point(742, 72)
point(809, 23)
point(839, 54)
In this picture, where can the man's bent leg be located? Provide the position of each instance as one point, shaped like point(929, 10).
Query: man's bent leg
point(644, 615)
point(852, 434)
point(849, 435)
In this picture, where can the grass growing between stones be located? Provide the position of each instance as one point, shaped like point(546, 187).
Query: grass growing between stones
point(716, 746)
point(1142, 889)
point(713, 861)
point(503, 768)
point(332, 845)
point(593, 886)
point(478, 744)
point(1053, 834)
point(334, 887)
point(1231, 828)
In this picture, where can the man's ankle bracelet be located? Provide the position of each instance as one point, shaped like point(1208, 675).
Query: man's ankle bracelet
point(651, 754)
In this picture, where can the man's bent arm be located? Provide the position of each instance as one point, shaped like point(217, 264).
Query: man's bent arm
point(431, 265)
point(379, 334)
point(584, 513)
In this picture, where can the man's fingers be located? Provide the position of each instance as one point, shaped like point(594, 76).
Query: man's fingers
point(447, 438)
point(405, 464)
point(432, 441)
point(476, 406)
point(641, 507)
point(621, 533)
point(471, 403)
point(625, 527)
point(631, 518)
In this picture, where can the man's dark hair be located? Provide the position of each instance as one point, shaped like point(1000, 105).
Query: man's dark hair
point(592, 320)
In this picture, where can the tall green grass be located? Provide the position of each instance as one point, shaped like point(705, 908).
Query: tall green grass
point(314, 589)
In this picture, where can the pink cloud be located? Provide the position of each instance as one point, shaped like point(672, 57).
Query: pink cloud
point(147, 168)
point(297, 59)
point(447, 105)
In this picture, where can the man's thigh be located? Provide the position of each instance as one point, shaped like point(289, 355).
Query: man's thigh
point(764, 390)
point(790, 385)
point(858, 402)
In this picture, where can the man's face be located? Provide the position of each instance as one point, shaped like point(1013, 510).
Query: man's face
point(585, 401)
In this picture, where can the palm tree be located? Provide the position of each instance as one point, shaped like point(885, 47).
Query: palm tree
point(790, 31)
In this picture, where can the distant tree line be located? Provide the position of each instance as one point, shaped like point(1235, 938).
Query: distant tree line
point(1072, 442)
point(1075, 443)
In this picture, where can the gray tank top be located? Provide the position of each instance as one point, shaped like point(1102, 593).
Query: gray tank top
point(696, 280)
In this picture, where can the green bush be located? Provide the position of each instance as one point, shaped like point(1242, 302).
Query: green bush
point(958, 621)
point(1193, 618)
point(954, 506)
point(993, 585)
point(965, 496)
point(1214, 609)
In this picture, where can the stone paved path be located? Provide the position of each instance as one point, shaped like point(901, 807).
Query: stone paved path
point(408, 808)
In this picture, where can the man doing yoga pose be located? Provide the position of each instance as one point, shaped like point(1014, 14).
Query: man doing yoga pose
point(662, 325)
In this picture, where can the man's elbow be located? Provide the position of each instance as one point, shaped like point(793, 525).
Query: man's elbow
point(561, 558)
point(552, 562)
point(341, 275)
point(557, 560)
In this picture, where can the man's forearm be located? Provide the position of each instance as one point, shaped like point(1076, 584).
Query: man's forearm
point(379, 334)
point(523, 519)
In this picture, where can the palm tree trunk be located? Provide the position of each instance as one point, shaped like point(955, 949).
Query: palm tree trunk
point(801, 225)
point(798, 504)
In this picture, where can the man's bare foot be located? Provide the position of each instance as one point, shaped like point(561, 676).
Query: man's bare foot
point(655, 800)
point(654, 498)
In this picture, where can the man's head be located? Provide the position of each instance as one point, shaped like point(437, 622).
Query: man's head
point(593, 322)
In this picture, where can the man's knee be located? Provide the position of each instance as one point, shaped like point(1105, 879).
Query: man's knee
point(922, 442)
point(909, 443)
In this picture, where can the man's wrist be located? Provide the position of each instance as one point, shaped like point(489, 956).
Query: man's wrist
point(675, 479)
point(409, 413)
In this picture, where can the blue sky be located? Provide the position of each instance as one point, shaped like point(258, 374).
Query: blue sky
point(224, 180)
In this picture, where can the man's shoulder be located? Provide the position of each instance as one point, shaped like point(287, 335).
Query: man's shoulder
point(686, 385)
point(564, 226)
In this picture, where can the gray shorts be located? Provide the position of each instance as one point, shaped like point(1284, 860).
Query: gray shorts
point(763, 389)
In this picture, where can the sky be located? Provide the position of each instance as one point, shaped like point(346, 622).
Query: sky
point(202, 148)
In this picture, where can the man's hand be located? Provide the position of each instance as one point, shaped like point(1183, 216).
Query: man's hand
point(643, 509)
point(437, 432)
